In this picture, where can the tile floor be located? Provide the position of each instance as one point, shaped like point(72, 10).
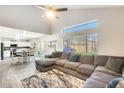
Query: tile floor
point(11, 76)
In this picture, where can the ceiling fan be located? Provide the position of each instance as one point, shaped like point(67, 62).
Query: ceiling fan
point(51, 10)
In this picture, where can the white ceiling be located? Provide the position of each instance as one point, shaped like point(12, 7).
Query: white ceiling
point(25, 17)
point(16, 34)
point(28, 17)
point(72, 7)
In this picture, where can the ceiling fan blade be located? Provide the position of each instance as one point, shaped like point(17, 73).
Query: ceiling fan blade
point(43, 15)
point(60, 9)
point(41, 7)
point(44, 6)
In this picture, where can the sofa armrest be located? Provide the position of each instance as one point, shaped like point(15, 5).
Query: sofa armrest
point(120, 84)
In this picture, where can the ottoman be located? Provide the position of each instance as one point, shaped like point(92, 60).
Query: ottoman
point(44, 64)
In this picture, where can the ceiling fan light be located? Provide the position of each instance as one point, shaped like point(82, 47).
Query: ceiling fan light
point(50, 14)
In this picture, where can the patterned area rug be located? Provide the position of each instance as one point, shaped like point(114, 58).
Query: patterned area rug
point(52, 79)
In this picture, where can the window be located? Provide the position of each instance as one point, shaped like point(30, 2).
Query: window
point(82, 27)
point(84, 42)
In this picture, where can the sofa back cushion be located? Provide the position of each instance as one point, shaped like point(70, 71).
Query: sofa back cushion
point(115, 64)
point(123, 71)
point(100, 60)
point(65, 55)
point(74, 57)
point(56, 54)
point(87, 59)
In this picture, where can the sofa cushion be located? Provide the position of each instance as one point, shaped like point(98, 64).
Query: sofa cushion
point(100, 60)
point(61, 62)
point(87, 59)
point(74, 57)
point(105, 70)
point(102, 77)
point(91, 83)
point(72, 65)
point(115, 64)
point(86, 69)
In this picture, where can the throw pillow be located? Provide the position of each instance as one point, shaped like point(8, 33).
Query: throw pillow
point(113, 83)
point(115, 64)
point(74, 57)
point(120, 84)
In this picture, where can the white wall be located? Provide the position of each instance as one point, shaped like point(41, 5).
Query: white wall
point(41, 43)
point(111, 27)
point(59, 43)
point(44, 42)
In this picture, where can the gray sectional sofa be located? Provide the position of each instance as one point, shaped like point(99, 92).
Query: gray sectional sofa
point(90, 68)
